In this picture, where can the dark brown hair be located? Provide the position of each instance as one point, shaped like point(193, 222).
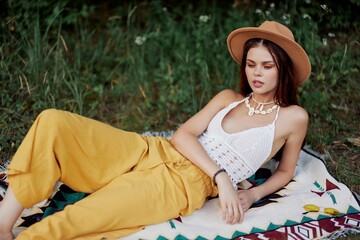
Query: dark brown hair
point(286, 89)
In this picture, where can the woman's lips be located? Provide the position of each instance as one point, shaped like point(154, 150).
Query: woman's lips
point(257, 83)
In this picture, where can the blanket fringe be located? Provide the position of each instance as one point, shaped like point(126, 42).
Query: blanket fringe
point(4, 165)
point(342, 234)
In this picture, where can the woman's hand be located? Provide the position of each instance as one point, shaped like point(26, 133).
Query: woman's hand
point(232, 211)
point(247, 198)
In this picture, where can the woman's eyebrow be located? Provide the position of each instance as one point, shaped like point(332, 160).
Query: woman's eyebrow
point(264, 62)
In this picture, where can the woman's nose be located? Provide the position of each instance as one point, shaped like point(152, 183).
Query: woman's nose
point(257, 71)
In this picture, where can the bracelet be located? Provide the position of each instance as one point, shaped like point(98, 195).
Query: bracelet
point(217, 173)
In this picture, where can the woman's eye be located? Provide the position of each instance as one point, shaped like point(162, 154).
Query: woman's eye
point(250, 65)
point(268, 67)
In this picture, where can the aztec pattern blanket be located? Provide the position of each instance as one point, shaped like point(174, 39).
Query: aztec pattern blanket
point(312, 206)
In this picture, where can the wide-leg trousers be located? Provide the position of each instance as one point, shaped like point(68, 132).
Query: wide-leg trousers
point(133, 180)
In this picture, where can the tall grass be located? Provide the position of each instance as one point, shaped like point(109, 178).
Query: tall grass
point(149, 65)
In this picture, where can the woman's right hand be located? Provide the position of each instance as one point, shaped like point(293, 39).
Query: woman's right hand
point(232, 211)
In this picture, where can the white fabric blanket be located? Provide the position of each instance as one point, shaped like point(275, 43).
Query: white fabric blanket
point(312, 184)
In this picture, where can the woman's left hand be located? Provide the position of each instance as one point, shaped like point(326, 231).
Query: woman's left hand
point(247, 198)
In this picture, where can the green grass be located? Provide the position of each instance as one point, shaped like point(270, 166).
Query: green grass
point(150, 65)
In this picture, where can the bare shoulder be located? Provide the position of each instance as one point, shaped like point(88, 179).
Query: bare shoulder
point(294, 117)
point(228, 96)
point(296, 113)
point(292, 125)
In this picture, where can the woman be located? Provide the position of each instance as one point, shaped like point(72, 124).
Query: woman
point(135, 180)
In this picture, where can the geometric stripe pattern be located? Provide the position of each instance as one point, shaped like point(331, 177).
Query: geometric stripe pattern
point(312, 230)
point(326, 227)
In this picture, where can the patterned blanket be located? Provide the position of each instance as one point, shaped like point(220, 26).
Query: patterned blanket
point(312, 206)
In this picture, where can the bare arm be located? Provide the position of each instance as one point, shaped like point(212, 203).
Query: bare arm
point(285, 171)
point(185, 140)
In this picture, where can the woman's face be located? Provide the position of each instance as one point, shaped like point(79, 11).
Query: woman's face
point(261, 70)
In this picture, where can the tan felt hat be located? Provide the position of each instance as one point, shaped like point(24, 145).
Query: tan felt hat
point(278, 34)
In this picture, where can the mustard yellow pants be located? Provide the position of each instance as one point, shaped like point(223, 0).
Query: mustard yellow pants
point(134, 180)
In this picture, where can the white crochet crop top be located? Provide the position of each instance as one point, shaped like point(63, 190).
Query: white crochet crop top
point(241, 153)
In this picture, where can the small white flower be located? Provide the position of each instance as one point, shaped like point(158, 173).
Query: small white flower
point(308, 1)
point(332, 35)
point(164, 9)
point(272, 5)
point(306, 16)
point(204, 18)
point(325, 7)
point(139, 40)
point(324, 41)
point(286, 16)
point(258, 11)
point(267, 13)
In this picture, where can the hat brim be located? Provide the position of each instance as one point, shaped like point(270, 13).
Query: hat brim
point(298, 56)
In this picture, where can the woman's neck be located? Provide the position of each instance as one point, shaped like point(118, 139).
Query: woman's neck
point(263, 98)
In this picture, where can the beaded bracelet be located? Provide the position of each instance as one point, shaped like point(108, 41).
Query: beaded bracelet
point(215, 174)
